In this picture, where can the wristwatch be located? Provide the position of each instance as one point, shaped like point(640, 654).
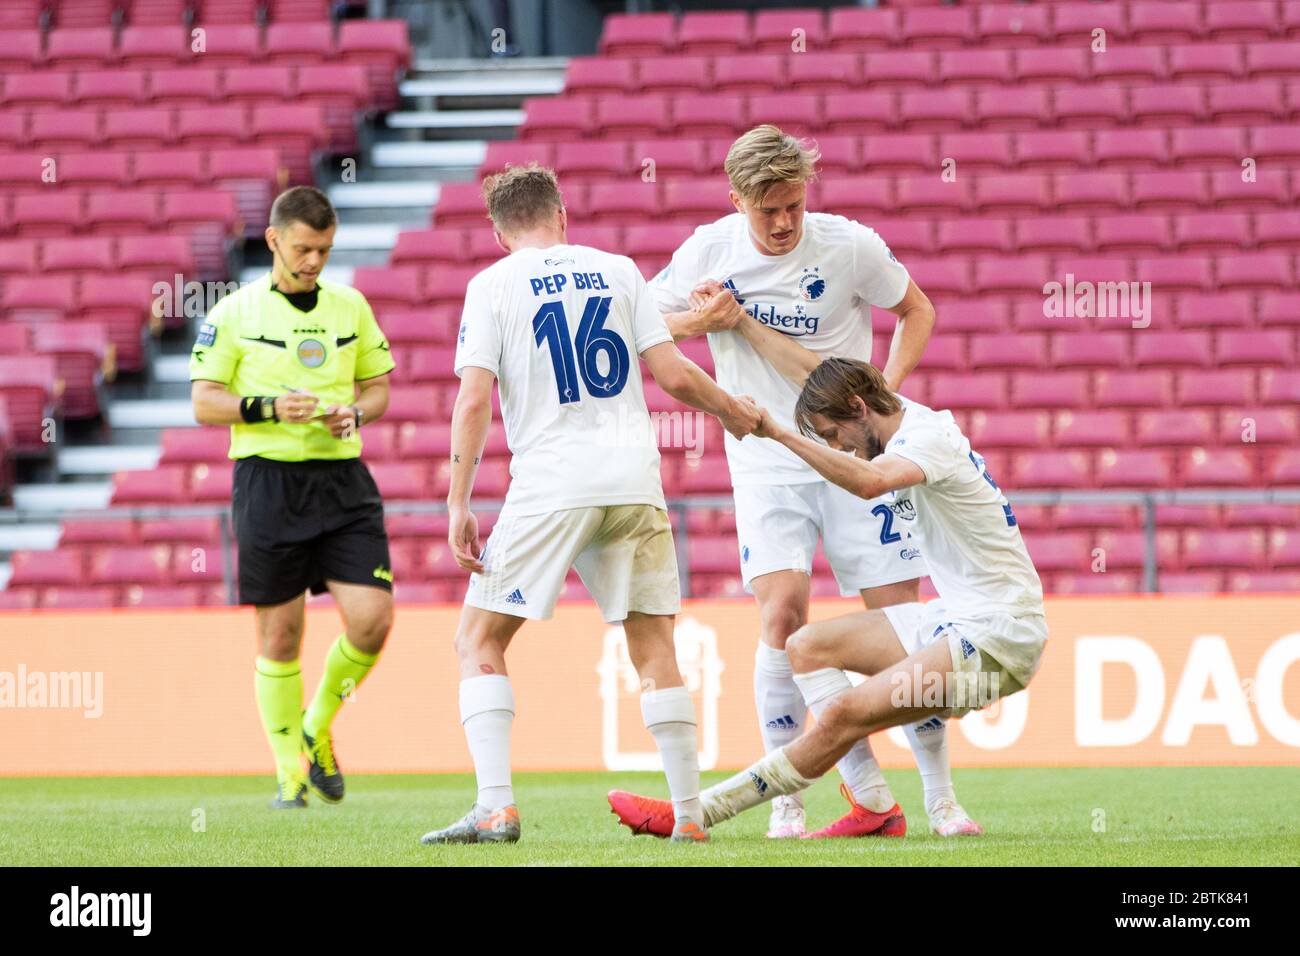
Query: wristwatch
point(361, 416)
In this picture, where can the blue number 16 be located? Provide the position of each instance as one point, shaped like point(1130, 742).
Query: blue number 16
point(551, 327)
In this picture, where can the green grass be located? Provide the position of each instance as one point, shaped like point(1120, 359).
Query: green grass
point(1153, 816)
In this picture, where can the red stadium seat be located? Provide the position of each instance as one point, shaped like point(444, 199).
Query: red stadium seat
point(1262, 101)
point(1013, 26)
point(824, 73)
point(661, 74)
point(211, 483)
point(751, 74)
point(1090, 107)
point(1054, 149)
point(776, 30)
point(141, 565)
point(859, 112)
point(1246, 20)
point(709, 32)
point(1163, 428)
point(1049, 389)
point(1133, 389)
point(163, 485)
point(66, 566)
point(1087, 428)
point(1022, 109)
point(1279, 308)
point(850, 28)
point(1132, 234)
point(558, 118)
point(20, 50)
point(1237, 548)
point(642, 34)
point(1010, 429)
point(38, 90)
point(1121, 468)
point(938, 27)
point(1219, 467)
point(300, 44)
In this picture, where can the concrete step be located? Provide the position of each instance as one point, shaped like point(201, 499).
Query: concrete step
point(398, 196)
point(463, 156)
point(444, 120)
point(50, 499)
point(151, 413)
point(172, 368)
point(427, 68)
point(29, 536)
point(106, 459)
point(350, 238)
point(494, 84)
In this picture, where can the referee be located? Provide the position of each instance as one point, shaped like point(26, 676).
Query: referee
point(296, 367)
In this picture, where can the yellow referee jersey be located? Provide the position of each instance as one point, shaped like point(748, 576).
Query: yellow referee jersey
point(255, 342)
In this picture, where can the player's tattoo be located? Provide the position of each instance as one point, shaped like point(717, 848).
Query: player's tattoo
point(487, 668)
point(455, 459)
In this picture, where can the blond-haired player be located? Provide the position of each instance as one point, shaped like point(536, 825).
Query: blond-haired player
point(558, 328)
point(813, 277)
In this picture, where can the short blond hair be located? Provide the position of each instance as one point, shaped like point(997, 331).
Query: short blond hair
point(520, 197)
point(766, 157)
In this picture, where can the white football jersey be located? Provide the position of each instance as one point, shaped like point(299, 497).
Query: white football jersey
point(972, 545)
point(820, 293)
point(561, 329)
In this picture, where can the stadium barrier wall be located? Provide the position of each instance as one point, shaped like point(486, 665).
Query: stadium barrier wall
point(1138, 680)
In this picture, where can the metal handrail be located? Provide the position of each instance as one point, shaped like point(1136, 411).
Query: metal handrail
point(1147, 498)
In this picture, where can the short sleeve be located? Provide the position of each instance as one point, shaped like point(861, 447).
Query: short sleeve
point(374, 358)
point(672, 287)
point(216, 348)
point(879, 278)
point(648, 325)
point(930, 449)
point(479, 340)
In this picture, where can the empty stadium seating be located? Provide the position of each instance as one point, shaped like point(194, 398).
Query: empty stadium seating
point(1171, 158)
point(138, 140)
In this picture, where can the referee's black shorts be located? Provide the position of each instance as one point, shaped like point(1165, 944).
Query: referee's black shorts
point(299, 524)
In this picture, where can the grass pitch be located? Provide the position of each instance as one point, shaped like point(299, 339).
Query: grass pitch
point(1167, 816)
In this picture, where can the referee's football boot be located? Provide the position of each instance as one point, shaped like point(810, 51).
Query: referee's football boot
point(290, 794)
point(322, 769)
point(480, 825)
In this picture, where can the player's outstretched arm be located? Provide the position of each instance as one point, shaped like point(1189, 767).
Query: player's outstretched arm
point(687, 382)
point(470, 420)
point(866, 479)
point(915, 323)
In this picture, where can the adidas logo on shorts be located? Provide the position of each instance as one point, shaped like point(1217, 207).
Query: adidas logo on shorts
point(782, 723)
point(516, 597)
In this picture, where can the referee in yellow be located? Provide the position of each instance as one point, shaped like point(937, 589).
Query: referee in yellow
point(297, 367)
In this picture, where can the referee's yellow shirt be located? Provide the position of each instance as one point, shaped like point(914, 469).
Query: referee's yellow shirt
point(256, 343)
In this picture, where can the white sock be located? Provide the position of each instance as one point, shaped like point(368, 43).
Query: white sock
point(781, 711)
point(858, 767)
point(929, 740)
point(669, 715)
point(487, 709)
point(773, 776)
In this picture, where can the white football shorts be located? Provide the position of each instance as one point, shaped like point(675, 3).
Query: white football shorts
point(993, 654)
point(624, 554)
point(777, 527)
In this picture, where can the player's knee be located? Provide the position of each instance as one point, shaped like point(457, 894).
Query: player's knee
point(281, 643)
point(371, 634)
point(780, 621)
point(807, 649)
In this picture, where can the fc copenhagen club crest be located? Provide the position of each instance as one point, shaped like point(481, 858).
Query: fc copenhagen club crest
point(811, 285)
point(311, 353)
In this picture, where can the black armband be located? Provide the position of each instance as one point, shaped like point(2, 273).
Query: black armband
point(256, 409)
